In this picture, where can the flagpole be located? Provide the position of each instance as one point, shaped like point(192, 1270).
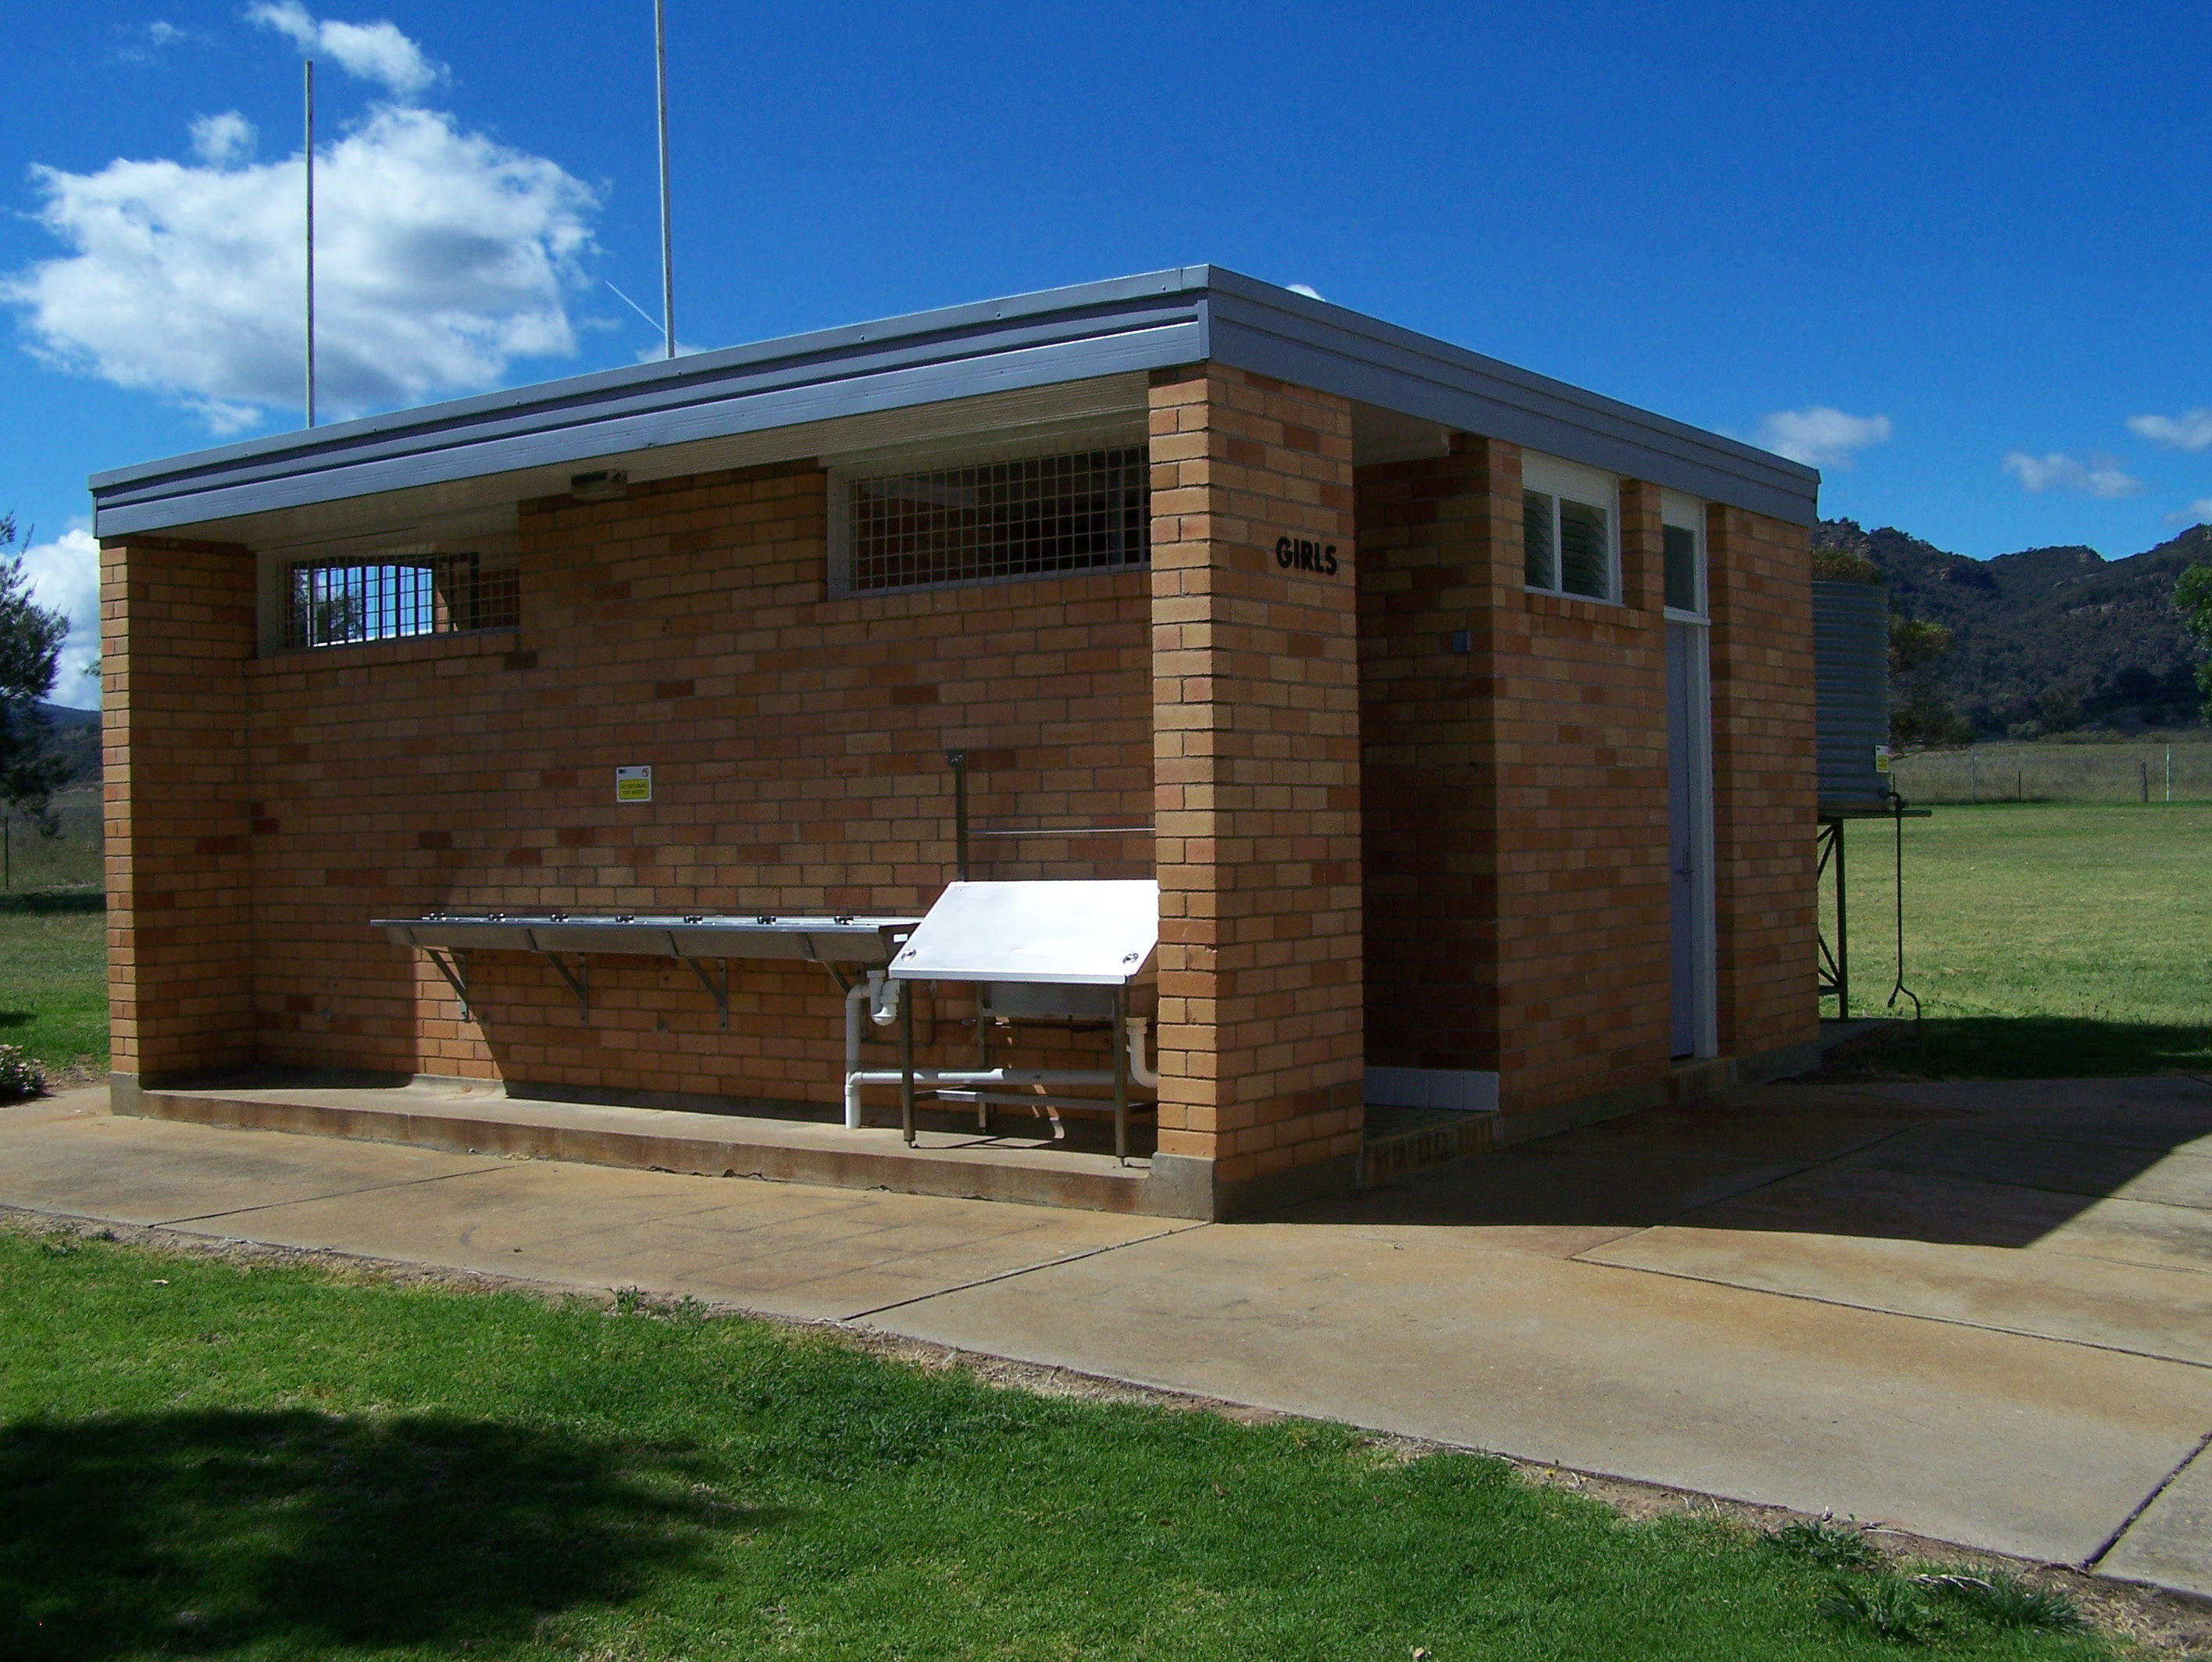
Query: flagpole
point(667, 262)
point(309, 152)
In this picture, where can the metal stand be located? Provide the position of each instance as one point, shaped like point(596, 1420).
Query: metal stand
point(1900, 989)
point(906, 1066)
point(1835, 975)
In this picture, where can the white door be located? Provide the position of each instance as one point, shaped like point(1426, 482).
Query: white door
point(1689, 837)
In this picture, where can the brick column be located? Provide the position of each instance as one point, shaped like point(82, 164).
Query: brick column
point(1256, 780)
point(1760, 592)
point(177, 631)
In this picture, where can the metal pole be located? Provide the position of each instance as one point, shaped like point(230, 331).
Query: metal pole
point(308, 154)
point(1121, 1075)
point(906, 1064)
point(667, 262)
point(1842, 937)
point(957, 760)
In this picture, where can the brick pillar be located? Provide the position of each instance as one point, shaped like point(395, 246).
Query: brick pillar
point(1256, 779)
point(1760, 593)
point(177, 631)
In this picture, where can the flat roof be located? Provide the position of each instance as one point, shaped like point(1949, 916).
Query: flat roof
point(1049, 343)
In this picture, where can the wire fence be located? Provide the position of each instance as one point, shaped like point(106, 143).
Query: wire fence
point(2152, 771)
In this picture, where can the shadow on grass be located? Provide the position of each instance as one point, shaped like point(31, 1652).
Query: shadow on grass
point(54, 899)
point(297, 1532)
point(2018, 1047)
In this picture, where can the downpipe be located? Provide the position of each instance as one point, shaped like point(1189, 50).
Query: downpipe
point(879, 996)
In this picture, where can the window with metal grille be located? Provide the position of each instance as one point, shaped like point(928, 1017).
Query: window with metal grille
point(337, 603)
point(1037, 516)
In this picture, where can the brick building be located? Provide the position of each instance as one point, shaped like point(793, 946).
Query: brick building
point(1465, 720)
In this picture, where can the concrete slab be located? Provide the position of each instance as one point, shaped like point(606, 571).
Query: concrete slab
point(2153, 1312)
point(786, 1250)
point(1983, 1152)
point(2170, 1545)
point(69, 1156)
point(2014, 1443)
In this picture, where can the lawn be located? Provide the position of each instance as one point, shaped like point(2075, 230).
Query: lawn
point(53, 978)
point(211, 1459)
point(2042, 938)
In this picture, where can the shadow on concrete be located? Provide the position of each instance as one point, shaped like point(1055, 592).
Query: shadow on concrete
point(1982, 1163)
point(2018, 1047)
point(198, 1532)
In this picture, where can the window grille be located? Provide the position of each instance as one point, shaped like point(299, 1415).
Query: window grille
point(1037, 516)
point(336, 602)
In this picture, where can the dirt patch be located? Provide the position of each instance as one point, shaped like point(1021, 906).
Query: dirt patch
point(2158, 1622)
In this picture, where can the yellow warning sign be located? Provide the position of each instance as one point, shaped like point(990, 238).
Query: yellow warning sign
point(632, 784)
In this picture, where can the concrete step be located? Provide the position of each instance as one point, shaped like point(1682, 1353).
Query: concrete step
point(1401, 1140)
point(476, 1117)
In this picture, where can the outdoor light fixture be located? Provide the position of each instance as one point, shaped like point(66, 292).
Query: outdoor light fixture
point(607, 485)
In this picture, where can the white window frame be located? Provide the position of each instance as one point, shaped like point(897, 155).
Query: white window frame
point(1551, 476)
point(1055, 439)
point(1685, 513)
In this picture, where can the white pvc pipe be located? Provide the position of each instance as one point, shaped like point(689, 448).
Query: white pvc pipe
point(856, 999)
point(1139, 1073)
point(881, 994)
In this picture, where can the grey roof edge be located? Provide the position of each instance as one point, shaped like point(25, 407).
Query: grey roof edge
point(1156, 319)
point(1273, 331)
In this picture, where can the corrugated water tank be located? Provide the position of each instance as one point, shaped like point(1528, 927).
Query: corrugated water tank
point(1850, 671)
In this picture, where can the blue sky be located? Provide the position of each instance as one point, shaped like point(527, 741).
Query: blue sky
point(1957, 256)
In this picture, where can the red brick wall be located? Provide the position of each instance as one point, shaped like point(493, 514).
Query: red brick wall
point(1256, 720)
point(798, 747)
point(176, 636)
point(1761, 605)
point(1515, 797)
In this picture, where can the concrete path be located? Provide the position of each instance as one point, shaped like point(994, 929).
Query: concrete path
point(1979, 1313)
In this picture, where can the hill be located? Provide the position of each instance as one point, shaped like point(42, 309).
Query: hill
point(73, 734)
point(2047, 639)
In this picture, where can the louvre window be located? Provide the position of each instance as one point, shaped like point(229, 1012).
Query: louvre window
point(337, 603)
point(1567, 525)
point(1081, 511)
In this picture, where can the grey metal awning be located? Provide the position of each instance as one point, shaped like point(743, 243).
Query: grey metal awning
point(841, 939)
point(692, 938)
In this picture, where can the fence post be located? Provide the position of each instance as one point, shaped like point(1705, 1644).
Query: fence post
point(1973, 781)
point(2146, 781)
point(2169, 773)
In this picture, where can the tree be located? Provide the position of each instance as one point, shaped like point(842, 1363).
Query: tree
point(2192, 598)
point(31, 638)
point(1919, 715)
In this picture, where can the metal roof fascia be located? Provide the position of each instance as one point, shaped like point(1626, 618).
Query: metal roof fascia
point(971, 317)
point(735, 410)
point(1395, 369)
point(425, 435)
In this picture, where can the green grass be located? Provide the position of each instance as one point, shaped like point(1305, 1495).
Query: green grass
point(70, 858)
point(208, 1459)
point(2043, 939)
point(54, 977)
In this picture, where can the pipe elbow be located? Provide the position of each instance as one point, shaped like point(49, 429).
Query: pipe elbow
point(884, 998)
point(1147, 1077)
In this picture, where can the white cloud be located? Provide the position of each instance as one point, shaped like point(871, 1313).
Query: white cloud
point(440, 258)
point(221, 141)
point(2098, 476)
point(1820, 437)
point(2198, 513)
point(2190, 430)
point(374, 52)
point(1308, 290)
point(65, 574)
